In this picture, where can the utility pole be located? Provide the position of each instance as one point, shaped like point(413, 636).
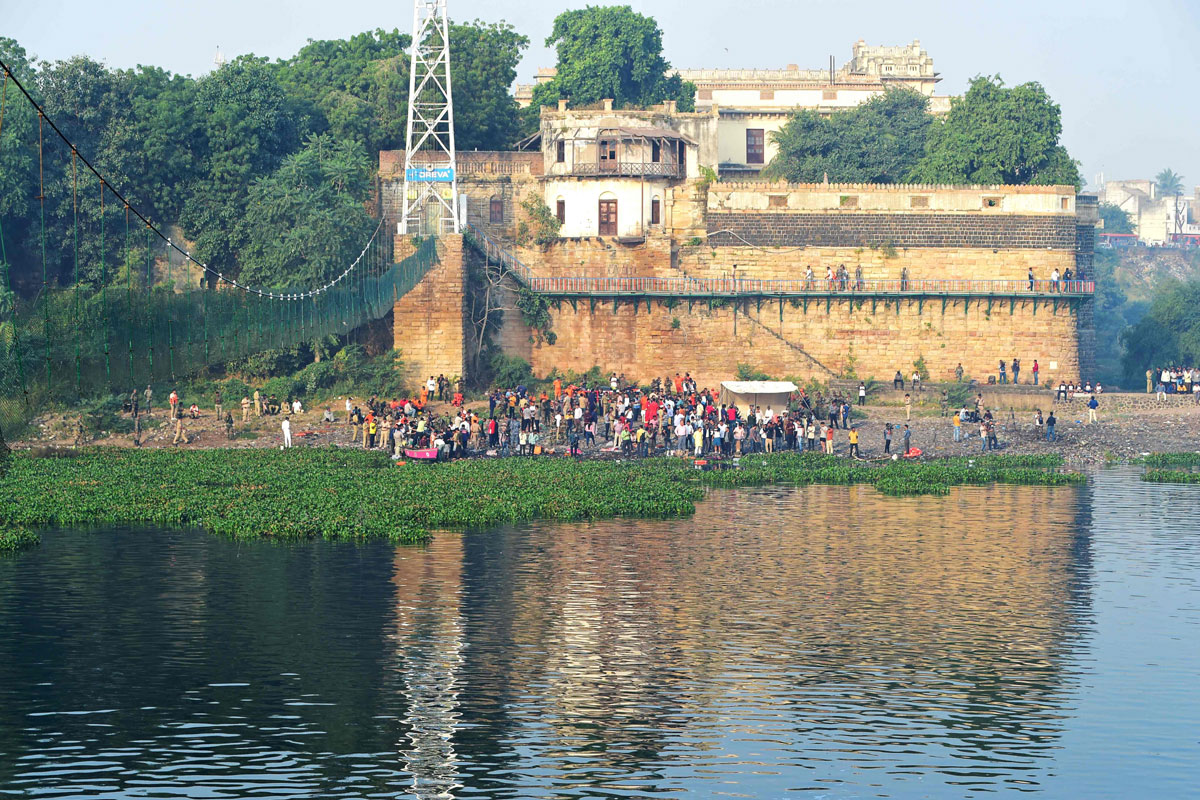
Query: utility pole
point(430, 169)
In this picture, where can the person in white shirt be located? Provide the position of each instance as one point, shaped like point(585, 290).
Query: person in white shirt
point(1054, 276)
point(431, 386)
point(296, 407)
point(287, 432)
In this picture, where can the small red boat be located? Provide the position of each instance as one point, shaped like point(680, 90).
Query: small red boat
point(425, 454)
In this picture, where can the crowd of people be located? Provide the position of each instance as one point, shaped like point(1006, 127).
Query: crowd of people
point(1174, 380)
point(672, 415)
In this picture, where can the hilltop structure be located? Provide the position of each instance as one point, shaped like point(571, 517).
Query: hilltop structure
point(667, 258)
point(1156, 219)
point(751, 104)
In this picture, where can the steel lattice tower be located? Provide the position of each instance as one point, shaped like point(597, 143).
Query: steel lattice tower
point(430, 174)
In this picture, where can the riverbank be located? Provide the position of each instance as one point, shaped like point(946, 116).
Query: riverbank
point(337, 493)
point(1129, 426)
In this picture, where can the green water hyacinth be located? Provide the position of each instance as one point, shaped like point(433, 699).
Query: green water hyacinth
point(14, 539)
point(1171, 476)
point(1170, 460)
point(348, 494)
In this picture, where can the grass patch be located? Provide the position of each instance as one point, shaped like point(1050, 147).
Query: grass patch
point(345, 494)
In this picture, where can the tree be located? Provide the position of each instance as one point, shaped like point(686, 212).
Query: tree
point(880, 141)
point(1168, 335)
point(1168, 183)
point(18, 174)
point(306, 220)
point(610, 52)
point(250, 129)
point(356, 88)
point(997, 135)
point(1115, 219)
point(483, 66)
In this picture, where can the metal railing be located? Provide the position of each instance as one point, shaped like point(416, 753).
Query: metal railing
point(627, 169)
point(684, 286)
point(727, 287)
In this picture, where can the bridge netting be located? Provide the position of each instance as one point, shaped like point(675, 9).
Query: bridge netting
point(155, 313)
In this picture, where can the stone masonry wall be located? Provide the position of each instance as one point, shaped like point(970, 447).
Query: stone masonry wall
point(818, 343)
point(864, 229)
point(430, 322)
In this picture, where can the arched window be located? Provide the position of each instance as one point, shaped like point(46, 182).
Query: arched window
point(496, 210)
point(655, 211)
point(560, 210)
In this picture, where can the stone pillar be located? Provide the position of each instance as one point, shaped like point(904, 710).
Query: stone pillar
point(429, 323)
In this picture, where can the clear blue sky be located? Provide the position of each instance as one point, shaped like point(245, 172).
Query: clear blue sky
point(1125, 73)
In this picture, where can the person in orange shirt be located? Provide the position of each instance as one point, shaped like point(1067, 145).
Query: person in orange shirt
point(424, 396)
point(557, 388)
point(678, 384)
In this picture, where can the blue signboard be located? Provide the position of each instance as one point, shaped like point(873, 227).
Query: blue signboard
point(430, 174)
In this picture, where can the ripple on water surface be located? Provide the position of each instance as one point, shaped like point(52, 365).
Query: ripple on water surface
point(825, 640)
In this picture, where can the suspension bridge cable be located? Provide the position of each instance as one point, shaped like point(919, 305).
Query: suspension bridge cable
point(290, 296)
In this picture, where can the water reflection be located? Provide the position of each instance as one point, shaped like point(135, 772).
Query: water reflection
point(824, 639)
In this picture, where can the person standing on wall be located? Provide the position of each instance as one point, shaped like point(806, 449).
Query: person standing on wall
point(1035, 372)
point(1016, 370)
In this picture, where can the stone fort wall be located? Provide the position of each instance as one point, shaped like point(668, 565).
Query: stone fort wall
point(776, 231)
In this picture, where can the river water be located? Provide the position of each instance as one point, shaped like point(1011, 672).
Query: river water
point(824, 641)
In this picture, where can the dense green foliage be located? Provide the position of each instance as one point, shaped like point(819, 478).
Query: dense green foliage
point(1171, 476)
point(610, 52)
point(349, 494)
point(1114, 219)
point(998, 135)
point(228, 156)
point(1170, 460)
point(880, 141)
point(992, 135)
point(1169, 333)
point(13, 539)
point(306, 221)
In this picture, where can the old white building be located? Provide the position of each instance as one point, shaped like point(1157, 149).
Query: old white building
point(751, 104)
point(610, 172)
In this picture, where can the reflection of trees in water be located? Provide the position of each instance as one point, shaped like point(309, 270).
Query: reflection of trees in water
point(146, 623)
point(869, 628)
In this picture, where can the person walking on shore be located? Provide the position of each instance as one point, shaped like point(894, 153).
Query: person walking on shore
point(149, 395)
point(1093, 404)
point(1051, 421)
point(854, 443)
point(907, 440)
point(286, 425)
point(887, 438)
point(957, 427)
point(257, 403)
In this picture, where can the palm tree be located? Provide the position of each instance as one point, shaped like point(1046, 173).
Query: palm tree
point(1168, 182)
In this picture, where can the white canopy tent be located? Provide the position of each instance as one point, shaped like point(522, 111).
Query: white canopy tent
point(747, 394)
